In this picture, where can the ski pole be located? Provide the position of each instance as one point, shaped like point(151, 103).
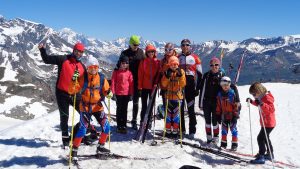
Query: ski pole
point(166, 113)
point(153, 141)
point(72, 131)
point(266, 136)
point(248, 103)
point(180, 122)
point(109, 122)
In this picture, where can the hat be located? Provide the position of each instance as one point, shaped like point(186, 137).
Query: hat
point(173, 60)
point(214, 60)
point(185, 41)
point(124, 59)
point(134, 40)
point(225, 80)
point(150, 47)
point(91, 61)
point(78, 46)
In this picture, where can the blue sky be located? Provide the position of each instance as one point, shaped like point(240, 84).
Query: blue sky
point(163, 20)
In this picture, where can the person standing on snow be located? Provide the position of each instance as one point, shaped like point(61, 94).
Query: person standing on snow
point(192, 67)
point(227, 112)
point(93, 87)
point(173, 81)
point(148, 74)
point(209, 88)
point(265, 101)
point(69, 66)
point(164, 66)
point(122, 88)
point(135, 55)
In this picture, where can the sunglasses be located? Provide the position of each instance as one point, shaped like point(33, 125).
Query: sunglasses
point(79, 51)
point(136, 45)
point(169, 49)
point(152, 51)
point(185, 44)
point(214, 65)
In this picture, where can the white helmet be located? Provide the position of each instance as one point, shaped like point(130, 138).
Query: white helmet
point(91, 61)
point(225, 81)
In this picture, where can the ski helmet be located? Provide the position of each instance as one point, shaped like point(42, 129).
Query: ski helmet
point(91, 61)
point(185, 41)
point(78, 46)
point(225, 81)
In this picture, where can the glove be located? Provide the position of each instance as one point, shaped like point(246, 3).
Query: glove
point(130, 98)
point(249, 100)
point(168, 73)
point(178, 72)
point(114, 98)
point(258, 102)
point(75, 75)
point(196, 93)
point(218, 118)
point(109, 95)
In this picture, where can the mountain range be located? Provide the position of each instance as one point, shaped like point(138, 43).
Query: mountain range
point(23, 73)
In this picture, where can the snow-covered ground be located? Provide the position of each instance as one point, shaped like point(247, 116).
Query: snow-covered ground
point(36, 143)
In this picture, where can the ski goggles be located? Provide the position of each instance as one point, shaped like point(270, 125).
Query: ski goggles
point(93, 67)
point(214, 65)
point(225, 83)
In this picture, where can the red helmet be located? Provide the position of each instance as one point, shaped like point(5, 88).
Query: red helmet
point(150, 47)
point(79, 46)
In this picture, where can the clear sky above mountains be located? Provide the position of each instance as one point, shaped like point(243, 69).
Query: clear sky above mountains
point(163, 20)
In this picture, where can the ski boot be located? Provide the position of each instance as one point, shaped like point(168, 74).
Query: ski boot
point(123, 130)
point(134, 125)
point(101, 149)
point(260, 159)
point(234, 146)
point(223, 145)
point(65, 141)
point(74, 155)
point(268, 156)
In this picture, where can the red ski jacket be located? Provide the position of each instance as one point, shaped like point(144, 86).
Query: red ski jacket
point(268, 110)
point(122, 82)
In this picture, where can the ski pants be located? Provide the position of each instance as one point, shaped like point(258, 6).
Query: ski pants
point(146, 94)
point(226, 125)
point(262, 140)
point(209, 109)
point(85, 119)
point(189, 96)
point(63, 102)
point(122, 105)
point(135, 101)
point(173, 119)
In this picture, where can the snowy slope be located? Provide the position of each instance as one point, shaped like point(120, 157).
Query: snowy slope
point(36, 143)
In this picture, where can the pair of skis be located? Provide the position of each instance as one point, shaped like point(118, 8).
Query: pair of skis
point(141, 133)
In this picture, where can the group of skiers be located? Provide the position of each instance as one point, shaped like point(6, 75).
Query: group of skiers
point(137, 74)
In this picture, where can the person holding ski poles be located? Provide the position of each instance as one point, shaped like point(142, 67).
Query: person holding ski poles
point(209, 88)
point(192, 67)
point(148, 75)
point(68, 66)
point(173, 81)
point(122, 88)
point(264, 100)
point(227, 112)
point(135, 55)
point(164, 66)
point(94, 87)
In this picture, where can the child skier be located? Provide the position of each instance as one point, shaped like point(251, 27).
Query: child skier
point(265, 102)
point(122, 87)
point(227, 112)
point(173, 81)
point(94, 88)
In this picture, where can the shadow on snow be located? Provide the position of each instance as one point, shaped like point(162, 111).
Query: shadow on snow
point(39, 161)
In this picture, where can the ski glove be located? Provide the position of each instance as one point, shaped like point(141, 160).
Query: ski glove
point(258, 102)
point(178, 72)
point(249, 100)
point(114, 98)
point(75, 75)
point(168, 73)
